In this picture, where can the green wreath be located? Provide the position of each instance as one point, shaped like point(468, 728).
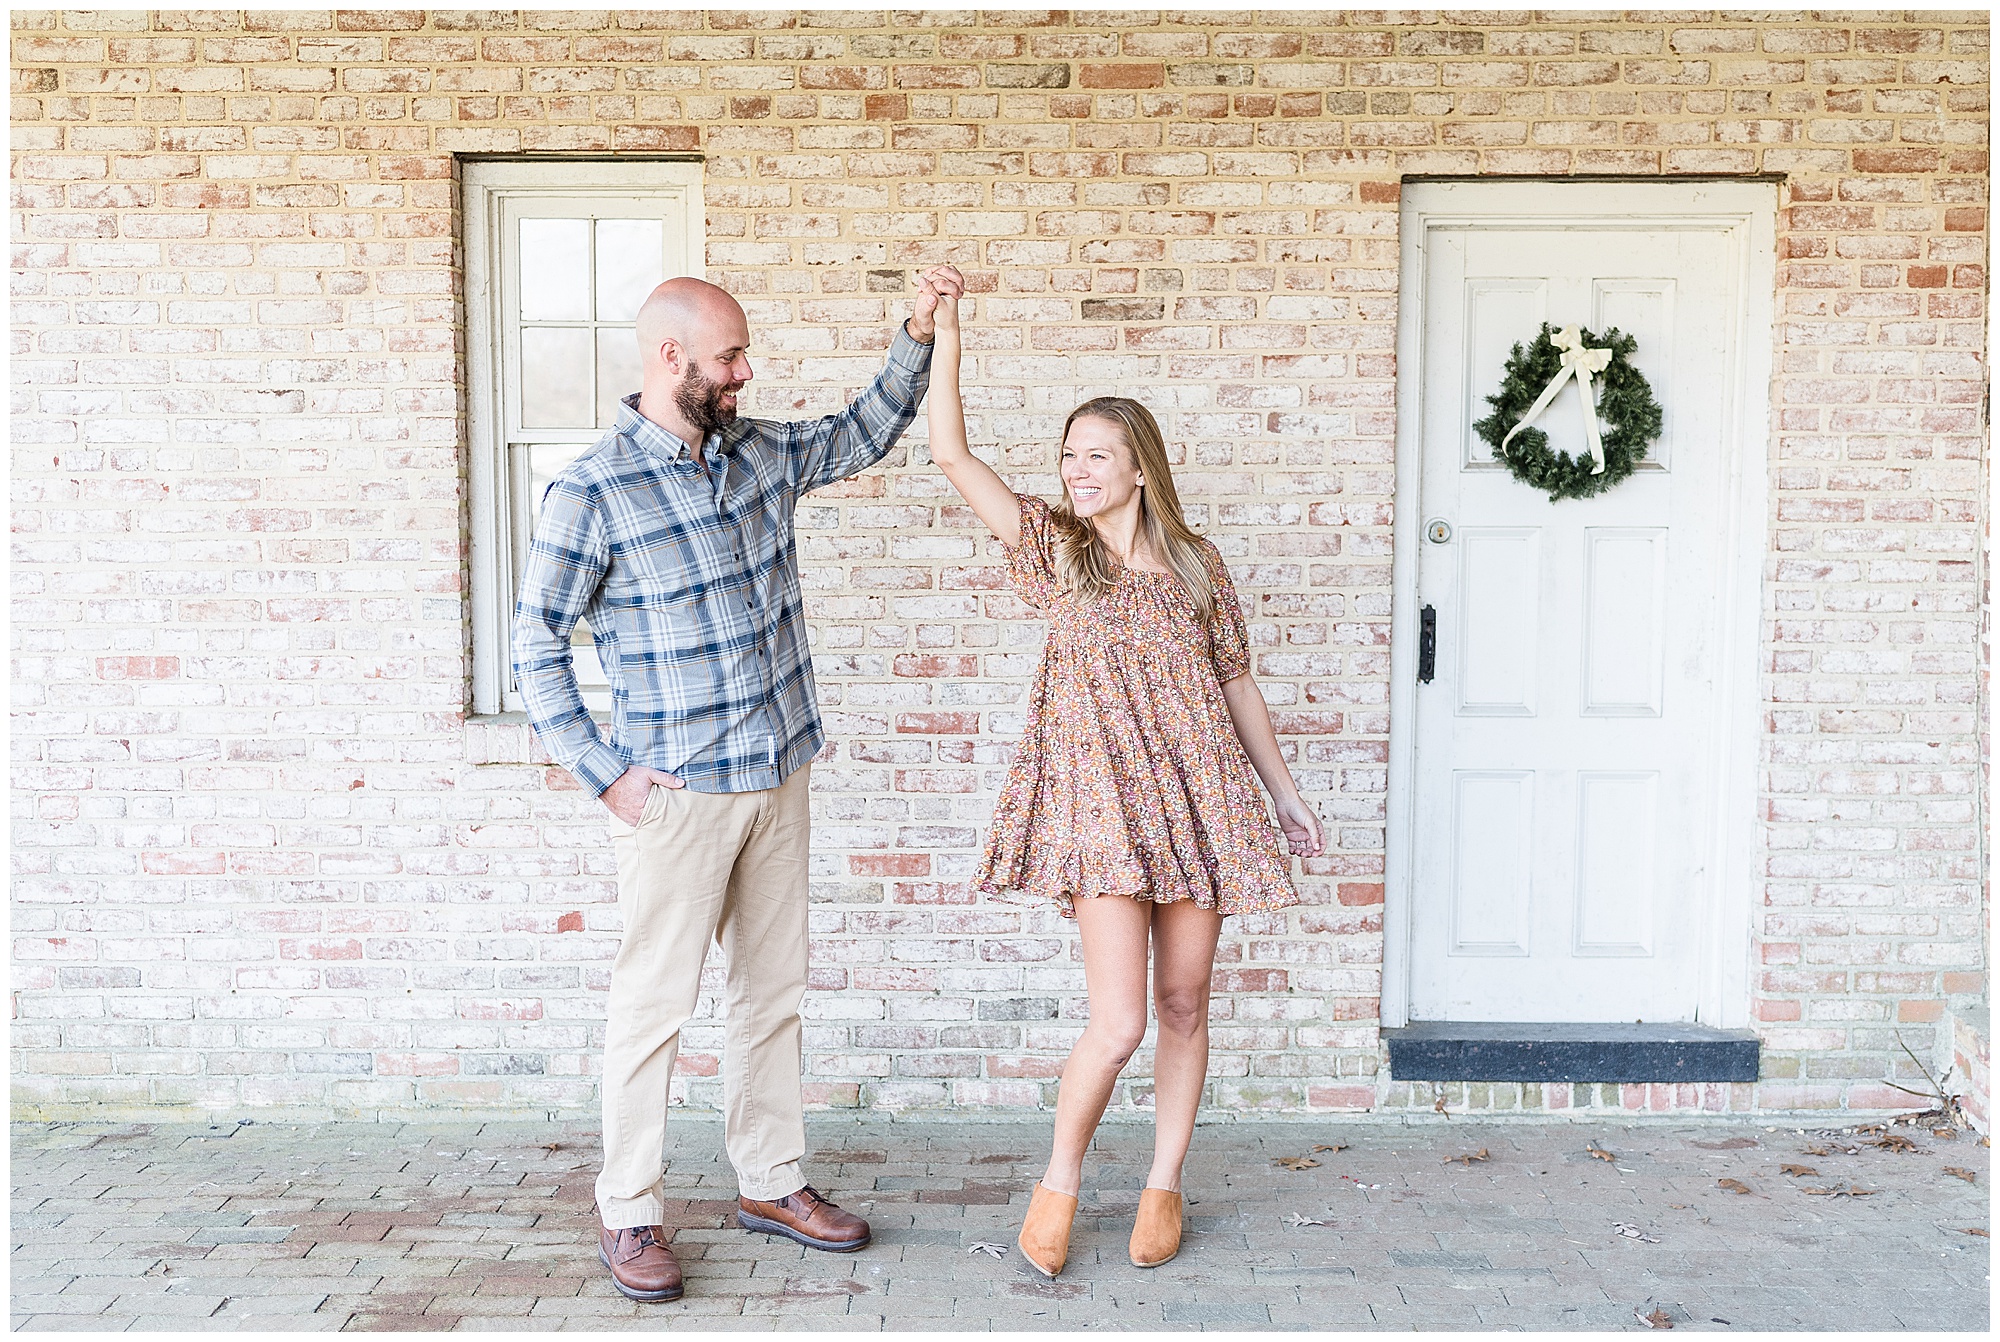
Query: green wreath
point(1624, 402)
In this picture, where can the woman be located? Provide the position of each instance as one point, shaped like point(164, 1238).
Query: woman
point(1131, 803)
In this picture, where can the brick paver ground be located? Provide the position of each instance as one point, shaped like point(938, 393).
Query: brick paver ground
point(491, 1226)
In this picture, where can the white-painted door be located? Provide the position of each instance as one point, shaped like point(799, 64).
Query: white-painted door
point(1565, 769)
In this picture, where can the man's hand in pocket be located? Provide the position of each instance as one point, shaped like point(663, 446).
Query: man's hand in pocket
point(626, 798)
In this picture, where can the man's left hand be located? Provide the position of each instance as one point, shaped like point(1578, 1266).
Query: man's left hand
point(936, 283)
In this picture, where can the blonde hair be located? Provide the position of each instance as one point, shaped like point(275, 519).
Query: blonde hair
point(1083, 563)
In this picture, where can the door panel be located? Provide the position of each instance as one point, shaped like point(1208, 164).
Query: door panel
point(1497, 652)
point(1624, 619)
point(1615, 827)
point(1496, 312)
point(1644, 310)
point(1559, 786)
point(1492, 813)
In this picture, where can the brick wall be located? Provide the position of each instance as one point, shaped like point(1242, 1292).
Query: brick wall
point(264, 860)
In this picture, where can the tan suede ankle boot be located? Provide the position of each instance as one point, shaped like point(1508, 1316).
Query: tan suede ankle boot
point(1156, 1234)
point(1044, 1237)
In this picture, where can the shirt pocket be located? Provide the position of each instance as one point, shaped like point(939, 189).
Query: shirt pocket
point(658, 568)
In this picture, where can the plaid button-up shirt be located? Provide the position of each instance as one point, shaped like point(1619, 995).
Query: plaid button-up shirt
point(689, 578)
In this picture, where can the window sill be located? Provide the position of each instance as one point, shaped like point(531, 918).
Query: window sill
point(506, 738)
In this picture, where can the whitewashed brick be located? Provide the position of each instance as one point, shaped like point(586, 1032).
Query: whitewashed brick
point(263, 860)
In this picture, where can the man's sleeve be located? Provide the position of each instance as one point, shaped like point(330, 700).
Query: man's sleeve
point(855, 439)
point(566, 562)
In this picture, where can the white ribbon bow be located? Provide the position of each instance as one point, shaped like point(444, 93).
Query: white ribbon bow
point(1581, 362)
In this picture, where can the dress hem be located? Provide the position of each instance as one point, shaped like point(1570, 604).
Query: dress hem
point(1064, 900)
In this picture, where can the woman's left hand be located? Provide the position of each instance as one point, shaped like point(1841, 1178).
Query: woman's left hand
point(1301, 827)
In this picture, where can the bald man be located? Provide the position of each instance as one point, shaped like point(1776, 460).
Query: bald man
point(673, 538)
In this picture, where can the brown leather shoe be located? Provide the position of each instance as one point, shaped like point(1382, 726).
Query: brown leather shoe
point(642, 1266)
point(807, 1217)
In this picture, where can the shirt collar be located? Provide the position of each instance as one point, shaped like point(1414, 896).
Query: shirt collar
point(661, 442)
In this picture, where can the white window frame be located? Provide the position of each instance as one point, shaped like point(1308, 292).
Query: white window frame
point(496, 484)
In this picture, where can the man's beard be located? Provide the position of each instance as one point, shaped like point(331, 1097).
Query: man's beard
point(701, 401)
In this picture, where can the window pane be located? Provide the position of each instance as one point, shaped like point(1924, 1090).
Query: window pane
point(555, 377)
point(555, 269)
point(628, 265)
point(545, 462)
point(617, 370)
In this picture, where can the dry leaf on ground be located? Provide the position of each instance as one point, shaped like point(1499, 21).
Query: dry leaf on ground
point(1975, 1230)
point(1733, 1185)
point(1797, 1170)
point(1630, 1231)
point(1478, 1155)
point(551, 1146)
point(1849, 1192)
point(1945, 1134)
point(988, 1248)
point(1896, 1141)
point(1727, 1144)
point(1657, 1319)
point(1297, 1220)
point(1296, 1163)
point(1330, 1146)
point(1599, 1152)
point(1957, 1173)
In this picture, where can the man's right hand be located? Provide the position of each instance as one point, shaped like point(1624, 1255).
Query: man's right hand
point(626, 798)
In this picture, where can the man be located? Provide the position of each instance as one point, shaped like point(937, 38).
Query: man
point(673, 538)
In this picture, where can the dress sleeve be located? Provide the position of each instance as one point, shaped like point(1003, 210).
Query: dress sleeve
point(1228, 637)
point(1031, 563)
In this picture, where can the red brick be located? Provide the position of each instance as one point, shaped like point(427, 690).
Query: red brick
point(1896, 160)
point(953, 666)
point(138, 668)
point(1122, 75)
point(889, 864)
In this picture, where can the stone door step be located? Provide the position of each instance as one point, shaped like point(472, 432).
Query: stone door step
point(1614, 1051)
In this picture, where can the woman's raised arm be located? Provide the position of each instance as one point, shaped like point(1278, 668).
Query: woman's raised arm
point(977, 483)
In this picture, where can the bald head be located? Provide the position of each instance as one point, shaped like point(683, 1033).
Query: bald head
point(683, 309)
point(693, 342)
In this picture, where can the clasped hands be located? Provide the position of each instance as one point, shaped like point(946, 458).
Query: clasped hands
point(936, 284)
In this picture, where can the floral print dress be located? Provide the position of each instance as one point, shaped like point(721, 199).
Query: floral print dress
point(1130, 779)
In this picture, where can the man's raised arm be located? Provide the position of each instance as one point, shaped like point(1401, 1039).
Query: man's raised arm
point(856, 438)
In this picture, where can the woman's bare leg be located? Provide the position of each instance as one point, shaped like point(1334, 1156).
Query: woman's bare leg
point(1184, 937)
point(1113, 929)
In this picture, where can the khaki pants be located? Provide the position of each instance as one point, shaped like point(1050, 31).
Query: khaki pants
point(702, 867)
